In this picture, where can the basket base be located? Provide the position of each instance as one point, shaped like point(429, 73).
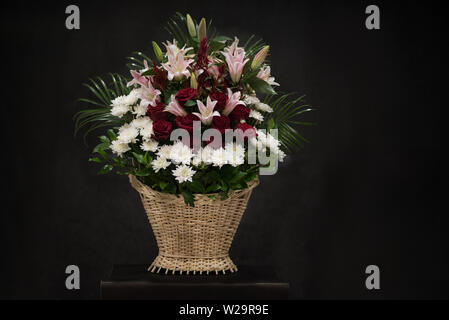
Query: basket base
point(192, 265)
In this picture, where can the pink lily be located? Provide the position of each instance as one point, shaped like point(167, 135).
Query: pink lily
point(177, 67)
point(207, 112)
point(265, 74)
point(233, 101)
point(172, 49)
point(137, 76)
point(148, 95)
point(235, 59)
point(175, 108)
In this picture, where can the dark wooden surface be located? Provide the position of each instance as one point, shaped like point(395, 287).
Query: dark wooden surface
point(249, 283)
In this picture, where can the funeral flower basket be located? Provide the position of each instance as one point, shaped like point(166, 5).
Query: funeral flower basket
point(193, 126)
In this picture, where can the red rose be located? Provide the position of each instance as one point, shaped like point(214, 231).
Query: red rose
point(186, 122)
point(240, 112)
point(221, 123)
point(162, 129)
point(248, 131)
point(186, 94)
point(221, 99)
point(157, 112)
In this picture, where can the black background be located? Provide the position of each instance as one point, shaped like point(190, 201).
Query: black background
point(366, 190)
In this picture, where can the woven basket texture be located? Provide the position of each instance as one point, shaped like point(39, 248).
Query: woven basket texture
point(193, 239)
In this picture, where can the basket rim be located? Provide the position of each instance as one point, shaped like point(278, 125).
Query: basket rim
point(141, 187)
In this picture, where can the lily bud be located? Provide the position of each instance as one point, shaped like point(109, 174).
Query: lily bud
point(191, 26)
point(157, 51)
point(202, 29)
point(259, 57)
point(193, 82)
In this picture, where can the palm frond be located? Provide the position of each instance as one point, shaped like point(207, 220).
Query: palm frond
point(99, 112)
point(253, 46)
point(286, 115)
point(136, 60)
point(177, 28)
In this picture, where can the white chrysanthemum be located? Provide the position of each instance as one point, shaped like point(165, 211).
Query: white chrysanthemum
point(132, 97)
point(160, 163)
point(256, 115)
point(263, 107)
point(127, 133)
point(141, 122)
point(261, 137)
point(234, 154)
point(180, 153)
point(206, 154)
point(119, 148)
point(164, 152)
point(272, 143)
point(119, 110)
point(281, 155)
point(219, 157)
point(149, 145)
point(147, 131)
point(234, 159)
point(196, 160)
point(140, 110)
point(237, 148)
point(250, 99)
point(183, 173)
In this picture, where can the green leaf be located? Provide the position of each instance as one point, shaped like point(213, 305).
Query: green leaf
point(228, 172)
point(261, 86)
point(103, 154)
point(188, 198)
point(167, 95)
point(119, 162)
point(238, 176)
point(224, 186)
point(213, 188)
point(239, 186)
point(106, 169)
point(270, 124)
point(222, 38)
point(112, 135)
point(97, 160)
point(104, 139)
point(196, 187)
point(102, 146)
point(139, 157)
point(224, 195)
point(211, 177)
point(163, 185)
point(171, 188)
point(250, 176)
point(147, 159)
point(144, 172)
point(216, 45)
point(190, 103)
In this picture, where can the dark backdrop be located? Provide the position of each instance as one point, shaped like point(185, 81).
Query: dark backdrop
point(366, 190)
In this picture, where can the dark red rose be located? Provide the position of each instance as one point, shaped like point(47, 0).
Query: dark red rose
point(240, 112)
point(186, 122)
point(221, 123)
point(162, 129)
point(221, 99)
point(157, 112)
point(247, 130)
point(186, 94)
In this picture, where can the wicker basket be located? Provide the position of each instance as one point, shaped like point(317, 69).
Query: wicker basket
point(193, 239)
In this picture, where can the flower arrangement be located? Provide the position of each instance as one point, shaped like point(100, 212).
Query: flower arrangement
point(190, 121)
